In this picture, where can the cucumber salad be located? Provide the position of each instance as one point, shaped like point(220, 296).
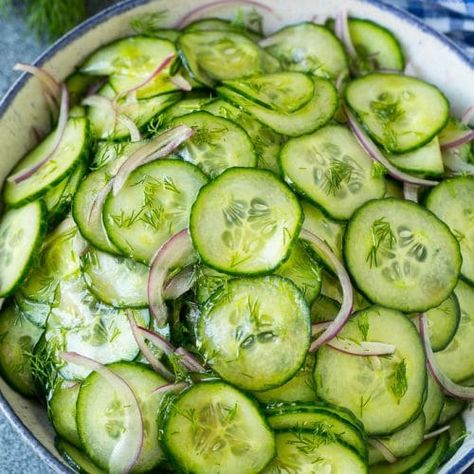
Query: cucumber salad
point(239, 253)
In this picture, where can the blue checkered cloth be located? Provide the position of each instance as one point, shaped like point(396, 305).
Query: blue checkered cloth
point(454, 18)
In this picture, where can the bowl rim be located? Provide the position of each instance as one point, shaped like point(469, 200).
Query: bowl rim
point(43, 453)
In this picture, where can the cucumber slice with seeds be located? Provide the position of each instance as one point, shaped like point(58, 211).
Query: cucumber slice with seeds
point(116, 281)
point(309, 451)
point(216, 145)
point(153, 205)
point(451, 201)
point(331, 169)
point(316, 113)
point(308, 48)
point(401, 113)
point(387, 393)
point(74, 148)
point(433, 404)
point(101, 414)
point(255, 332)
point(244, 222)
point(222, 429)
point(212, 56)
point(217, 24)
point(21, 233)
point(394, 247)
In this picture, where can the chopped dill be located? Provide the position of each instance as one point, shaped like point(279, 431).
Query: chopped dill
point(382, 236)
point(399, 385)
point(337, 173)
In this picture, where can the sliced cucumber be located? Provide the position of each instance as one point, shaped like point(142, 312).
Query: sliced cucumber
point(74, 148)
point(79, 323)
point(401, 443)
point(116, 281)
point(457, 433)
point(186, 106)
point(331, 169)
point(300, 388)
point(130, 62)
point(153, 205)
point(57, 260)
point(443, 322)
point(455, 361)
point(107, 126)
point(458, 160)
point(303, 270)
point(255, 332)
point(311, 451)
point(224, 25)
point(212, 56)
point(216, 145)
point(21, 233)
point(222, 429)
point(433, 404)
point(394, 247)
point(244, 222)
point(309, 48)
point(376, 46)
point(424, 460)
point(324, 227)
point(401, 113)
point(76, 458)
point(451, 408)
point(36, 313)
point(18, 338)
point(102, 413)
point(425, 161)
point(62, 411)
point(387, 393)
point(316, 113)
point(324, 309)
point(318, 415)
point(452, 202)
point(283, 92)
point(266, 142)
point(208, 281)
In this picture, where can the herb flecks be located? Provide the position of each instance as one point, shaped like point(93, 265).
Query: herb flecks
point(382, 237)
point(337, 173)
point(307, 442)
point(388, 111)
point(399, 384)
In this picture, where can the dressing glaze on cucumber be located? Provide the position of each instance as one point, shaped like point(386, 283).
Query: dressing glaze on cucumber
point(207, 268)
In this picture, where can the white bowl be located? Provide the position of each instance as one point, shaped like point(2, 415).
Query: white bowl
point(433, 56)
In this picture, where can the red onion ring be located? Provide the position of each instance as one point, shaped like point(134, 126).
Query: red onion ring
point(127, 451)
point(451, 388)
point(23, 175)
point(467, 115)
point(383, 449)
point(464, 137)
point(365, 348)
point(341, 28)
point(347, 294)
point(178, 250)
point(371, 149)
point(410, 192)
point(51, 86)
point(135, 135)
point(189, 361)
point(159, 147)
point(179, 284)
point(437, 432)
point(317, 328)
point(193, 14)
point(181, 83)
point(146, 351)
point(171, 387)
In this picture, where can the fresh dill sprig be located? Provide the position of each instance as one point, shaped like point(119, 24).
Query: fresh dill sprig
point(308, 442)
point(399, 385)
point(382, 236)
point(337, 173)
point(149, 23)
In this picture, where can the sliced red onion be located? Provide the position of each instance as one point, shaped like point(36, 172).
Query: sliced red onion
point(99, 101)
point(171, 387)
point(467, 115)
point(409, 69)
point(178, 250)
point(189, 361)
point(341, 28)
point(435, 433)
point(347, 294)
point(371, 149)
point(51, 85)
point(58, 136)
point(461, 139)
point(159, 69)
point(36, 135)
point(127, 451)
point(159, 341)
point(135, 135)
point(364, 348)
point(451, 388)
point(383, 449)
point(95, 210)
point(410, 191)
point(158, 147)
point(146, 351)
point(181, 83)
point(180, 284)
point(317, 328)
point(340, 80)
point(193, 14)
